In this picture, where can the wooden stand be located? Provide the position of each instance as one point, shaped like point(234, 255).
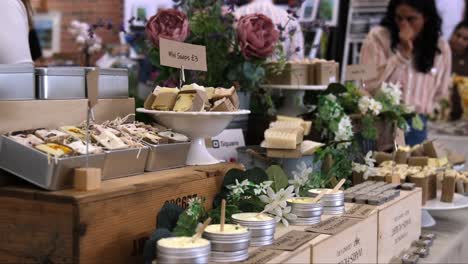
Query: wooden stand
point(109, 225)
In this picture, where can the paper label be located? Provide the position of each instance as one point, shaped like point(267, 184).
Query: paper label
point(359, 72)
point(178, 54)
point(351, 252)
point(293, 240)
point(224, 146)
point(92, 81)
point(401, 224)
point(359, 211)
point(333, 225)
point(262, 255)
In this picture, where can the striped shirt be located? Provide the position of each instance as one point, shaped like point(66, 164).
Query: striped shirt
point(294, 46)
point(420, 90)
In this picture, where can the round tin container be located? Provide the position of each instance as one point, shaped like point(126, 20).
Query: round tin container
point(329, 199)
point(229, 256)
point(300, 221)
point(175, 255)
point(262, 229)
point(305, 210)
point(337, 210)
point(228, 242)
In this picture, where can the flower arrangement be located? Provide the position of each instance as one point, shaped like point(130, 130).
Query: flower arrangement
point(237, 51)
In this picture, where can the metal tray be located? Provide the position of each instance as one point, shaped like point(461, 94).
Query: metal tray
point(35, 167)
point(124, 162)
point(61, 83)
point(167, 156)
point(17, 82)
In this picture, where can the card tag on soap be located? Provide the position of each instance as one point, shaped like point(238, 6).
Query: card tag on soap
point(359, 211)
point(293, 240)
point(359, 72)
point(262, 255)
point(333, 225)
point(92, 81)
point(178, 54)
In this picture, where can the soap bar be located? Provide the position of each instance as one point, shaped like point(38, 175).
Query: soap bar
point(409, 258)
point(422, 252)
point(74, 132)
point(107, 138)
point(421, 181)
point(431, 150)
point(80, 147)
point(52, 136)
point(418, 161)
point(149, 101)
point(54, 149)
point(165, 98)
point(428, 236)
point(448, 188)
point(284, 153)
point(223, 105)
point(283, 138)
point(307, 125)
point(190, 101)
point(408, 186)
point(29, 140)
point(381, 157)
point(230, 94)
point(287, 125)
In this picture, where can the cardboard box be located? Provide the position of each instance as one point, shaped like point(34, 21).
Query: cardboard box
point(293, 74)
point(109, 225)
point(24, 115)
point(325, 72)
point(399, 224)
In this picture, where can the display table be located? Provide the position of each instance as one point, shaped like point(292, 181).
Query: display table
point(109, 225)
point(454, 143)
point(451, 245)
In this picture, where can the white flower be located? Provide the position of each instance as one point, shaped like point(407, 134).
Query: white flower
point(393, 91)
point(359, 168)
point(262, 187)
point(345, 129)
point(301, 176)
point(364, 104)
point(277, 201)
point(80, 39)
point(284, 215)
point(331, 97)
point(369, 160)
point(375, 107)
point(239, 188)
point(369, 172)
point(191, 204)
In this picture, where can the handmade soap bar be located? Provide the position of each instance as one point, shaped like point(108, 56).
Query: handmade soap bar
point(190, 101)
point(107, 138)
point(282, 138)
point(418, 161)
point(52, 136)
point(448, 187)
point(223, 105)
point(27, 140)
point(75, 132)
point(307, 125)
point(165, 98)
point(420, 180)
point(54, 149)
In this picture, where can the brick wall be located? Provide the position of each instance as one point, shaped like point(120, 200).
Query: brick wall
point(89, 11)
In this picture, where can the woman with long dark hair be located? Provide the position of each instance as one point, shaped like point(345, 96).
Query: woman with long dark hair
point(408, 49)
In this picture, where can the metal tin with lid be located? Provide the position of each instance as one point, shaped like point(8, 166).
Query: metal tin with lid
point(173, 255)
point(113, 82)
point(337, 210)
point(17, 82)
point(228, 242)
point(330, 198)
point(303, 221)
point(229, 256)
point(262, 231)
point(305, 209)
point(61, 83)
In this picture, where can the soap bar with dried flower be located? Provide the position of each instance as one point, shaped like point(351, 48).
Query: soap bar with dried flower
point(448, 187)
point(421, 181)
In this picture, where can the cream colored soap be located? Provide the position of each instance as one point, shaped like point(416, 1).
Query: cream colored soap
point(228, 229)
point(183, 242)
point(283, 138)
point(301, 200)
point(252, 217)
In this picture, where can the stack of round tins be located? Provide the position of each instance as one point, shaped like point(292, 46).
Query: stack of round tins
point(262, 227)
point(231, 245)
point(175, 250)
point(307, 212)
point(333, 202)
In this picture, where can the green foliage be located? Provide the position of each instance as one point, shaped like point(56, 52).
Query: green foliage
point(417, 123)
point(254, 175)
point(341, 167)
point(369, 130)
point(215, 214)
point(186, 225)
point(149, 251)
point(280, 179)
point(168, 216)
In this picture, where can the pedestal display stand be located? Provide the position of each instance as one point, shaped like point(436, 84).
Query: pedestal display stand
point(197, 126)
point(294, 97)
point(459, 202)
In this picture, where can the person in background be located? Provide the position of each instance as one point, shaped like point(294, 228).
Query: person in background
point(459, 46)
point(14, 32)
point(294, 46)
point(408, 49)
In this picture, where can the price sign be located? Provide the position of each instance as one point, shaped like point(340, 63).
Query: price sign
point(182, 55)
point(92, 80)
point(359, 72)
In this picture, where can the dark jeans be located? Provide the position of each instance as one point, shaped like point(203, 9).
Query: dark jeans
point(413, 136)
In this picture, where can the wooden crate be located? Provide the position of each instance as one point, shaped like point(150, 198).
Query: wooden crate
point(105, 226)
point(399, 224)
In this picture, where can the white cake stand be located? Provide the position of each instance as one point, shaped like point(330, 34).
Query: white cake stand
point(294, 97)
point(459, 202)
point(197, 126)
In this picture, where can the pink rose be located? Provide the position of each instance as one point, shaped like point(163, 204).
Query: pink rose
point(257, 36)
point(168, 24)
